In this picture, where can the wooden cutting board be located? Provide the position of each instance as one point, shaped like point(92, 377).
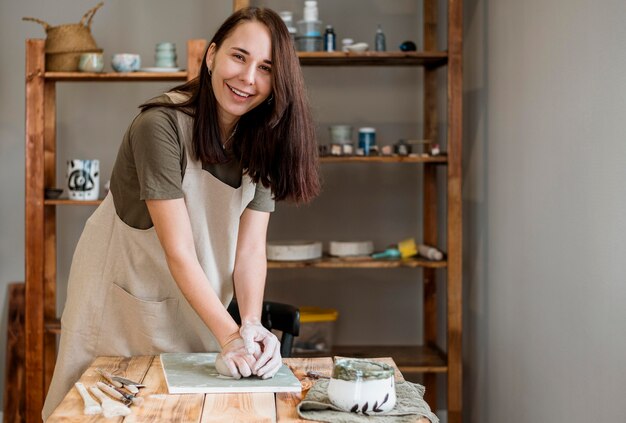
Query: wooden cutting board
point(193, 373)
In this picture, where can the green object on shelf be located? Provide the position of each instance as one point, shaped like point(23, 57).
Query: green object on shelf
point(389, 253)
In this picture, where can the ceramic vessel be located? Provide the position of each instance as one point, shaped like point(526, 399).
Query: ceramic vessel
point(362, 386)
point(126, 62)
point(83, 179)
point(357, 48)
point(165, 55)
point(340, 134)
point(91, 62)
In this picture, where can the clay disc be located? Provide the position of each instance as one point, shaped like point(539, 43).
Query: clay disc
point(294, 250)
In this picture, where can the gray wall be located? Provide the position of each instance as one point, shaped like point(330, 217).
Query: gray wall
point(543, 191)
point(545, 90)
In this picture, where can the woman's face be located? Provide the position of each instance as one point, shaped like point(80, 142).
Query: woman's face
point(241, 71)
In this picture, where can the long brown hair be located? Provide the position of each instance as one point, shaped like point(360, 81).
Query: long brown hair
point(276, 140)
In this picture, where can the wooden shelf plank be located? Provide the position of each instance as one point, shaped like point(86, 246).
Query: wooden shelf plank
point(374, 58)
point(68, 202)
point(115, 76)
point(408, 358)
point(384, 159)
point(356, 262)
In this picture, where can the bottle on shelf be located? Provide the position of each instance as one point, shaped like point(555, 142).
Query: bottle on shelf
point(330, 39)
point(310, 29)
point(287, 17)
point(379, 40)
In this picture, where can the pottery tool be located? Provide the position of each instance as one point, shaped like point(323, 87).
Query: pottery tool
point(110, 408)
point(294, 250)
point(91, 406)
point(429, 252)
point(406, 248)
point(120, 395)
point(351, 248)
point(120, 382)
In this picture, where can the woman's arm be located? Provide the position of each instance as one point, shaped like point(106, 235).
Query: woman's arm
point(251, 264)
point(173, 228)
point(249, 278)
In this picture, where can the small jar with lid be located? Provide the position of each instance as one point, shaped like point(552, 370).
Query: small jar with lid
point(362, 386)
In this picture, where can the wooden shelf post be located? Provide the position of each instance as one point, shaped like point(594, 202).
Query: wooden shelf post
point(34, 227)
point(455, 207)
point(430, 226)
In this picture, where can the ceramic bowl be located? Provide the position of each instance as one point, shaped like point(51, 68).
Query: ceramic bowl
point(126, 62)
point(362, 386)
point(53, 193)
point(91, 62)
point(340, 134)
point(357, 48)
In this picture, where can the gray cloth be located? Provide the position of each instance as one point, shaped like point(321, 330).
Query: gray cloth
point(410, 406)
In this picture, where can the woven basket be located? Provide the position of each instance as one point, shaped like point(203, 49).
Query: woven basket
point(65, 43)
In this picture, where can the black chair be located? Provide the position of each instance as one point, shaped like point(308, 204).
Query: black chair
point(282, 317)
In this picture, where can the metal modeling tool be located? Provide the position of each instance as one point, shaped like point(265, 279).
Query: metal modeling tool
point(120, 382)
point(120, 395)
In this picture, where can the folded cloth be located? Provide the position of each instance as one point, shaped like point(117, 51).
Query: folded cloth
point(410, 406)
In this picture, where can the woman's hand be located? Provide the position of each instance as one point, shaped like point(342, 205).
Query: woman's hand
point(254, 335)
point(235, 360)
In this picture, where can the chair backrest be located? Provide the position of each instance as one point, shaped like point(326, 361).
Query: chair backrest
point(282, 317)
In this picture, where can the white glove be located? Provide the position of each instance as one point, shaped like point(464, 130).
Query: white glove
point(254, 336)
point(234, 360)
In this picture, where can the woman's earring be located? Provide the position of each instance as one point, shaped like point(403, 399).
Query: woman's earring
point(270, 99)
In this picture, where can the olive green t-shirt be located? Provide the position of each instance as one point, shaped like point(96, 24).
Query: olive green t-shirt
point(151, 164)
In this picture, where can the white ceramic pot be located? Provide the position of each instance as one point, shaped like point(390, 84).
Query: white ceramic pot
point(362, 386)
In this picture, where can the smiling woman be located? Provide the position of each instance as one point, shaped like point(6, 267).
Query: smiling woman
point(241, 72)
point(185, 221)
point(251, 94)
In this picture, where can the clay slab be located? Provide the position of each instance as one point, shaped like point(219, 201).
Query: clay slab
point(194, 373)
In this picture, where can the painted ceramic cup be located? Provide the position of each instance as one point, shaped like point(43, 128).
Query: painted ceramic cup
point(83, 179)
point(91, 62)
point(362, 386)
point(126, 62)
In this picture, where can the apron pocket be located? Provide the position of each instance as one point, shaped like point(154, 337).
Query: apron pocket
point(132, 326)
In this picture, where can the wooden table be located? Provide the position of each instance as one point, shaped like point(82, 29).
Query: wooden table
point(159, 406)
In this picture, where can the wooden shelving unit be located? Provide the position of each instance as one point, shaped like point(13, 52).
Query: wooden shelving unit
point(41, 323)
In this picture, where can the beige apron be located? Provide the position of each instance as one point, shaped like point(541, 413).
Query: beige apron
point(122, 299)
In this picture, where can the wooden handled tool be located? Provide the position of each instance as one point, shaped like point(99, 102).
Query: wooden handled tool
point(110, 408)
point(120, 382)
point(91, 406)
point(120, 395)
